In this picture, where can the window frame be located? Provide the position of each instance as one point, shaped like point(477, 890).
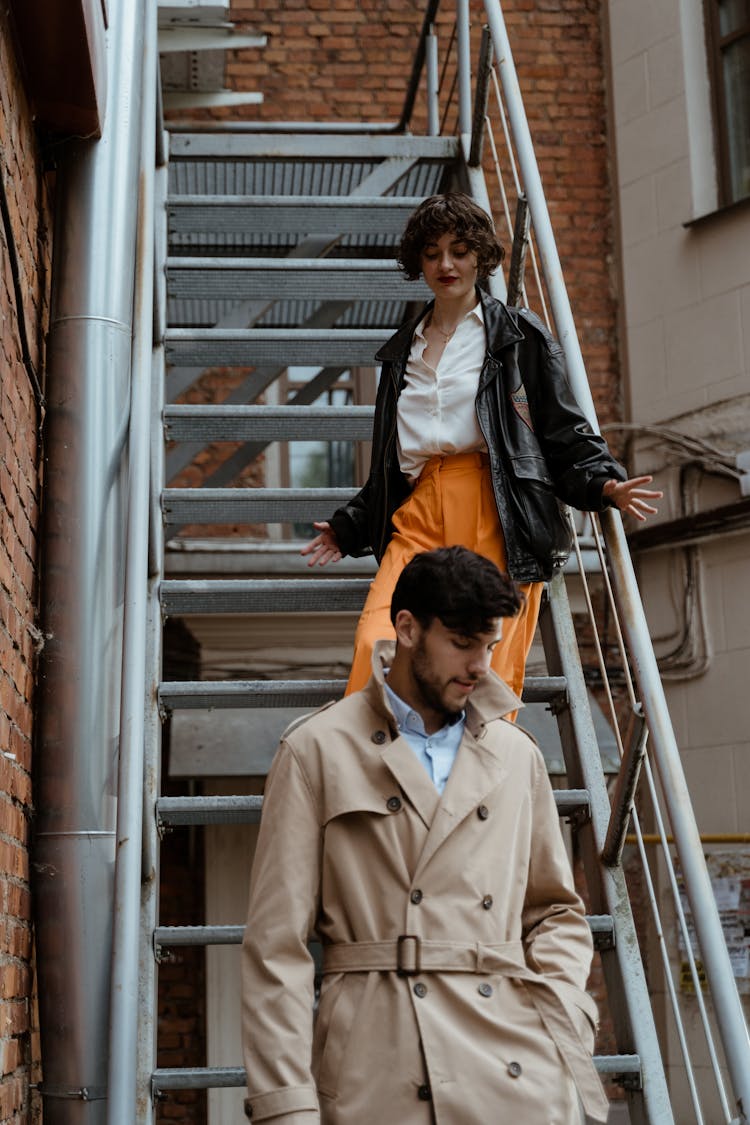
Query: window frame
point(716, 45)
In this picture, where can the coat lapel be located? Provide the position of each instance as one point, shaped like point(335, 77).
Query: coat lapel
point(412, 777)
point(476, 772)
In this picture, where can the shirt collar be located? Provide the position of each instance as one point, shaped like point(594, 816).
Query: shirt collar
point(491, 699)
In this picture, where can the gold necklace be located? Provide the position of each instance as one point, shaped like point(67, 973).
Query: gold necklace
point(447, 336)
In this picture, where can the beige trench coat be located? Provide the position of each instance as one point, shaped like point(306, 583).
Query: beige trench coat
point(357, 846)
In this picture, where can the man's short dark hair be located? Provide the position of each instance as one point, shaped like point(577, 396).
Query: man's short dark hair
point(453, 213)
point(464, 590)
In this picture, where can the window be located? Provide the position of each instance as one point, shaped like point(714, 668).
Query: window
point(729, 59)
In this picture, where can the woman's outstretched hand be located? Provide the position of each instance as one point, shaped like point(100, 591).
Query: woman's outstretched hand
point(324, 548)
point(630, 496)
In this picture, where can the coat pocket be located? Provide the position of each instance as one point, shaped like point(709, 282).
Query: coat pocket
point(335, 1018)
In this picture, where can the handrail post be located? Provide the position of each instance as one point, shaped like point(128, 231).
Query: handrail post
point(463, 46)
point(433, 83)
point(729, 1013)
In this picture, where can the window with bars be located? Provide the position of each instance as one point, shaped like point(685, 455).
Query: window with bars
point(728, 26)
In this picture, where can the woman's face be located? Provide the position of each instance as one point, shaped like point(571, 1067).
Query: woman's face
point(450, 268)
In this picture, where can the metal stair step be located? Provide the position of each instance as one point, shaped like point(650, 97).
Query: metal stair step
point(205, 694)
point(179, 811)
point(188, 422)
point(295, 595)
point(245, 347)
point(289, 214)
point(215, 1077)
point(173, 811)
point(167, 937)
point(338, 147)
point(301, 279)
point(251, 505)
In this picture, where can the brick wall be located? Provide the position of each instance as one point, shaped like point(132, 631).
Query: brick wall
point(26, 243)
point(329, 60)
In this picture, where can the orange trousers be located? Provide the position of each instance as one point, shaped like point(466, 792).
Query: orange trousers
point(452, 504)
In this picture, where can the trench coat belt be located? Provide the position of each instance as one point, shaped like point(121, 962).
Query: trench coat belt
point(410, 955)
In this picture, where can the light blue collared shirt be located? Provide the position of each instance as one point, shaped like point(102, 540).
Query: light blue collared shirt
point(437, 752)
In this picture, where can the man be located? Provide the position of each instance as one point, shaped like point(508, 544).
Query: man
point(414, 831)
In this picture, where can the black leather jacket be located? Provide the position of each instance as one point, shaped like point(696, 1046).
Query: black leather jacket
point(542, 450)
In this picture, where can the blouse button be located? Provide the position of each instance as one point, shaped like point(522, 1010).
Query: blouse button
point(393, 804)
point(483, 812)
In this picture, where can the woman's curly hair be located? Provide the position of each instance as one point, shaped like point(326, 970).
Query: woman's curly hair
point(459, 214)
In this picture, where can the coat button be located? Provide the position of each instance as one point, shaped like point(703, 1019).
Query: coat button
point(379, 737)
point(487, 902)
point(483, 812)
point(515, 1070)
point(485, 989)
point(393, 804)
point(420, 989)
point(416, 897)
point(424, 1093)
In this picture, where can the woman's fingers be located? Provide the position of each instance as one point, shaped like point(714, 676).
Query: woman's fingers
point(323, 548)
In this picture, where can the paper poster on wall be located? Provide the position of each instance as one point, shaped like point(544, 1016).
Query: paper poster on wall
point(730, 879)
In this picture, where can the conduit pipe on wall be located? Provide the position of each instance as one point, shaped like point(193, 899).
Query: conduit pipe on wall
point(82, 585)
point(127, 890)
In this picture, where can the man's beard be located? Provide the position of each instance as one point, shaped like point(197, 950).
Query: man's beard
point(429, 688)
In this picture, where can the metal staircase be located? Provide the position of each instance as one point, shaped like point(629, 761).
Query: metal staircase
point(293, 282)
point(281, 254)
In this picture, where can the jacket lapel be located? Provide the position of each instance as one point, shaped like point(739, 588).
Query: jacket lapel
point(412, 777)
point(476, 772)
point(397, 755)
point(477, 769)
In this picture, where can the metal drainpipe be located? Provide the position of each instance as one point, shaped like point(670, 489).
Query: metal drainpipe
point(664, 749)
point(82, 585)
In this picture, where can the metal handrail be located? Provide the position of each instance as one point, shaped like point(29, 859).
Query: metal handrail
point(730, 1017)
point(123, 1037)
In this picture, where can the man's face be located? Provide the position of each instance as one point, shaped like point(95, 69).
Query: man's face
point(447, 665)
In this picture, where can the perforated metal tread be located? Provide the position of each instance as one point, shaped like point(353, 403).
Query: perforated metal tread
point(243, 347)
point(205, 694)
point(208, 1078)
point(267, 423)
point(298, 279)
point(289, 214)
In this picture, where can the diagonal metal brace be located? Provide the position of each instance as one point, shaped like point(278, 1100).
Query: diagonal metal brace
point(518, 252)
point(627, 781)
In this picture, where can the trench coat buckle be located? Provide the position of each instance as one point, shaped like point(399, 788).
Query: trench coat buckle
point(415, 969)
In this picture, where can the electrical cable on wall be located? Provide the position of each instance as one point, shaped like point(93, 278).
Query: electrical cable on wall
point(697, 458)
point(10, 243)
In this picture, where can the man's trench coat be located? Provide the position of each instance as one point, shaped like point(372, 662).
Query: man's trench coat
point(488, 1021)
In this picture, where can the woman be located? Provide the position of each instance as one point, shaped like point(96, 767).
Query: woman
point(477, 439)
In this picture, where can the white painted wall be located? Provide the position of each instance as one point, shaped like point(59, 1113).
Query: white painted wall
point(685, 305)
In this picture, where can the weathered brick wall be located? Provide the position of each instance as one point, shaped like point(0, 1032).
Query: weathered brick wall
point(25, 236)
